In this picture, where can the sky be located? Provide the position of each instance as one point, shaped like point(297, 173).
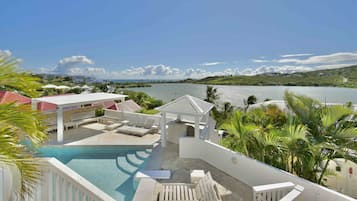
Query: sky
point(161, 39)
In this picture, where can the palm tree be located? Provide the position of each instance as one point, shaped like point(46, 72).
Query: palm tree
point(330, 132)
point(19, 123)
point(296, 145)
point(211, 95)
point(240, 134)
point(250, 101)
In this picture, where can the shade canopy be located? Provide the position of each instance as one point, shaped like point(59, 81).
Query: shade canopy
point(80, 99)
point(63, 87)
point(187, 105)
point(85, 87)
point(49, 86)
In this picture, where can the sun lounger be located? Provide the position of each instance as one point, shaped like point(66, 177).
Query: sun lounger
point(132, 130)
point(112, 126)
point(139, 129)
point(206, 190)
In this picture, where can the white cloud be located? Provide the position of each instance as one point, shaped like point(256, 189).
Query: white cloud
point(82, 65)
point(260, 60)
point(296, 55)
point(345, 57)
point(197, 73)
point(73, 65)
point(6, 53)
point(151, 71)
point(211, 63)
point(281, 69)
point(75, 60)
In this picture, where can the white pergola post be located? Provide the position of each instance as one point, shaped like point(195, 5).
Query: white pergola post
point(197, 127)
point(163, 129)
point(34, 104)
point(210, 126)
point(59, 124)
point(179, 117)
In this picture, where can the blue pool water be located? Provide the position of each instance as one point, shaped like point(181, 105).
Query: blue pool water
point(110, 168)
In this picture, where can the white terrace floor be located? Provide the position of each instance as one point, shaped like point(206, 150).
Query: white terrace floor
point(168, 158)
point(94, 134)
point(162, 158)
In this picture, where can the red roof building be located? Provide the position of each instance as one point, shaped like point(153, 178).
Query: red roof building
point(10, 97)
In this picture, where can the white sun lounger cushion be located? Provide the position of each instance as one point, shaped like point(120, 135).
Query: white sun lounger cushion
point(133, 130)
point(113, 126)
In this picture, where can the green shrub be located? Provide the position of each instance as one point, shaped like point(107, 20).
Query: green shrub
point(99, 112)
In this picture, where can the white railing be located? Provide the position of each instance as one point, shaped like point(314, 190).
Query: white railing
point(59, 182)
point(252, 172)
point(2, 183)
point(271, 192)
point(133, 117)
point(294, 194)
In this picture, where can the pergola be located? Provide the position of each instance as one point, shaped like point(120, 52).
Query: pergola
point(185, 105)
point(74, 100)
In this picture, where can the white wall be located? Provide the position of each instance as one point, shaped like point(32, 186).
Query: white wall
point(134, 117)
point(250, 171)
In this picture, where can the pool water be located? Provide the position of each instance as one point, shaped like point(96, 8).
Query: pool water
point(110, 168)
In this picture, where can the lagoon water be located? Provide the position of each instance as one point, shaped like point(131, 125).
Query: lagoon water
point(236, 94)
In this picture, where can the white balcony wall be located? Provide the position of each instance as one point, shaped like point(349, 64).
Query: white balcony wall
point(253, 172)
point(58, 182)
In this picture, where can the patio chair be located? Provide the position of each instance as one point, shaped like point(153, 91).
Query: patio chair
point(205, 190)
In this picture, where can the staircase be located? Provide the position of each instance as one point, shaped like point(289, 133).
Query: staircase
point(133, 161)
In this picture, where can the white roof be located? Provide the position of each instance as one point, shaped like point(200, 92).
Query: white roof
point(129, 106)
point(63, 87)
point(49, 86)
point(188, 105)
point(79, 99)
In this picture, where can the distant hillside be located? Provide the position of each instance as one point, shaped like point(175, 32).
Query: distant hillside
point(341, 77)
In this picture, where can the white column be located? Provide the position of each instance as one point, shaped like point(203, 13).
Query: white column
point(34, 104)
point(163, 129)
point(210, 126)
point(2, 184)
point(197, 127)
point(59, 124)
point(179, 117)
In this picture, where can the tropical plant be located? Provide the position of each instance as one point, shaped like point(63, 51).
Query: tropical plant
point(330, 130)
point(143, 99)
point(211, 95)
point(249, 101)
point(240, 133)
point(302, 141)
point(19, 123)
point(222, 114)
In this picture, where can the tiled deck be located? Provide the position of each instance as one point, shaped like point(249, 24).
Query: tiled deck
point(168, 158)
point(94, 134)
point(161, 158)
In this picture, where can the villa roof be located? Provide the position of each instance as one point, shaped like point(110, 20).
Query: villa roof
point(187, 105)
point(9, 97)
point(78, 99)
point(128, 106)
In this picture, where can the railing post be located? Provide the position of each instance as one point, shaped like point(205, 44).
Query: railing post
point(49, 185)
point(2, 178)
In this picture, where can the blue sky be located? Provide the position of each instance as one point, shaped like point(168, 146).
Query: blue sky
point(178, 39)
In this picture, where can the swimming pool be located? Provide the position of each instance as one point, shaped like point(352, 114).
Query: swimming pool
point(110, 168)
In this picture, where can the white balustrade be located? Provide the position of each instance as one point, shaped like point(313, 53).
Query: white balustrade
point(271, 192)
point(59, 183)
point(2, 184)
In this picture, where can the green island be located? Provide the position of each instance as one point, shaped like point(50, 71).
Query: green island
point(339, 77)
